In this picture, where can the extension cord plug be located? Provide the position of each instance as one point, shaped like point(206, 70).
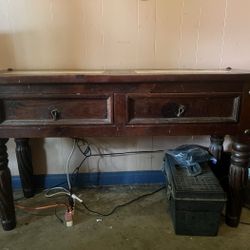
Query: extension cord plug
point(73, 196)
point(68, 217)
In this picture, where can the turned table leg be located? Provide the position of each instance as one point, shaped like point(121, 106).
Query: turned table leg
point(7, 209)
point(24, 162)
point(238, 176)
point(216, 146)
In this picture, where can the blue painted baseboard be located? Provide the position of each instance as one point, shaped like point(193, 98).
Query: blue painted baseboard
point(97, 179)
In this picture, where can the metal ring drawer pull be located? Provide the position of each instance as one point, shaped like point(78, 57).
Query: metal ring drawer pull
point(173, 110)
point(181, 110)
point(55, 114)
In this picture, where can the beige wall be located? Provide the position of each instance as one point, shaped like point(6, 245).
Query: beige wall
point(65, 34)
point(109, 34)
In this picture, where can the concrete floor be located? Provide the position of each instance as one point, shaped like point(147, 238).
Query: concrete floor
point(145, 224)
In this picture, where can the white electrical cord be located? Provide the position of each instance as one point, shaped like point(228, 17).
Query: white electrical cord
point(67, 166)
point(56, 191)
point(61, 191)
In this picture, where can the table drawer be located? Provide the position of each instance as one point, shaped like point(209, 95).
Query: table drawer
point(182, 108)
point(87, 109)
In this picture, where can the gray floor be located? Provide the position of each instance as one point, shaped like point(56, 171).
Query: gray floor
point(145, 224)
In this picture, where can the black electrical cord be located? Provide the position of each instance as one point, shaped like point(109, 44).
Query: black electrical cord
point(122, 205)
point(75, 172)
point(87, 153)
point(57, 216)
point(128, 153)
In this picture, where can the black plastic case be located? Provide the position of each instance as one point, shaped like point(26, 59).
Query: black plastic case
point(196, 203)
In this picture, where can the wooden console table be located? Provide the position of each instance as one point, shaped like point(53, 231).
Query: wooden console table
point(131, 103)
